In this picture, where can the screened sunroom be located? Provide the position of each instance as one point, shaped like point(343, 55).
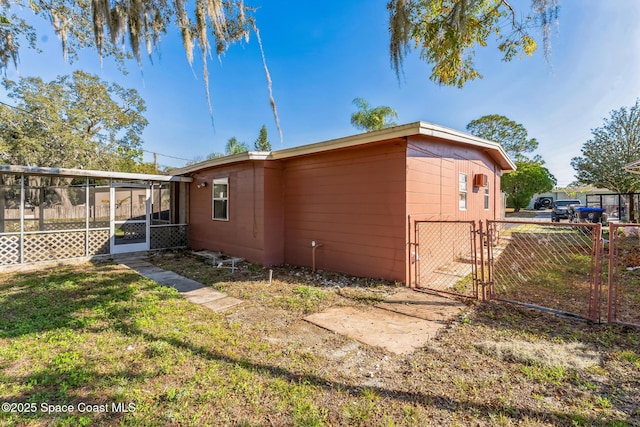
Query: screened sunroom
point(49, 214)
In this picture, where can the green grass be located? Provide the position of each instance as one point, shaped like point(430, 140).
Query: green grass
point(465, 286)
point(303, 298)
point(553, 375)
point(102, 335)
point(546, 266)
point(628, 278)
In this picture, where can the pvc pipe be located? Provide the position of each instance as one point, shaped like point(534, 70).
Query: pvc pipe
point(314, 245)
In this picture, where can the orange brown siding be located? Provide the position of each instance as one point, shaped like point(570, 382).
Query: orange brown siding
point(432, 180)
point(432, 189)
point(351, 202)
point(243, 234)
point(273, 214)
point(359, 204)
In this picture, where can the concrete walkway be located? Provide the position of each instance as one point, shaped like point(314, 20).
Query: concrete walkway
point(191, 290)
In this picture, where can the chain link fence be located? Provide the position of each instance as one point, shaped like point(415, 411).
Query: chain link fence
point(579, 269)
point(550, 265)
point(624, 274)
point(446, 257)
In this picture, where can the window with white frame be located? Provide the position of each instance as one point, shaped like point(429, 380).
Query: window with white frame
point(486, 197)
point(221, 199)
point(462, 191)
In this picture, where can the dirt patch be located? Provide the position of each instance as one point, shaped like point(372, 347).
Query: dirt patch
point(464, 375)
point(567, 355)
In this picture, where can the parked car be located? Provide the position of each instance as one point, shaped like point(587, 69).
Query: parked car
point(542, 203)
point(560, 209)
point(588, 214)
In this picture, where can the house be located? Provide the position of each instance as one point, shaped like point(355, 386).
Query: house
point(347, 205)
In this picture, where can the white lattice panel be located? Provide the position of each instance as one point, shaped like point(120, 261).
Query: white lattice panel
point(52, 246)
point(9, 250)
point(98, 242)
point(168, 237)
point(132, 231)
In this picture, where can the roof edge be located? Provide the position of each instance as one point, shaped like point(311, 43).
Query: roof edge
point(219, 161)
point(402, 131)
point(437, 131)
point(349, 141)
point(37, 170)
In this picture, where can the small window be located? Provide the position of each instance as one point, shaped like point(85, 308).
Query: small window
point(462, 191)
point(221, 199)
point(486, 197)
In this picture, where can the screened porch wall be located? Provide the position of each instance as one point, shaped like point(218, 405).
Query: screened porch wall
point(48, 218)
point(616, 206)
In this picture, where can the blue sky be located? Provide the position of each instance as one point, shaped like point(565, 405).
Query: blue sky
point(322, 55)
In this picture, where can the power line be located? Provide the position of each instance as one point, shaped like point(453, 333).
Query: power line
point(35, 116)
point(166, 155)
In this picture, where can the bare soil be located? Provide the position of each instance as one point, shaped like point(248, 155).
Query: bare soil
point(497, 364)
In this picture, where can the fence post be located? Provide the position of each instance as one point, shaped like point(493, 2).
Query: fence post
point(611, 283)
point(594, 309)
point(416, 251)
point(482, 240)
point(22, 199)
point(489, 271)
point(87, 199)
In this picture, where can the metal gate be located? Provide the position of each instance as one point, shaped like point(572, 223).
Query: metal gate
point(623, 281)
point(446, 257)
point(554, 266)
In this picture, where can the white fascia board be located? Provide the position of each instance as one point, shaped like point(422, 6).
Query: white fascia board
point(225, 160)
point(85, 173)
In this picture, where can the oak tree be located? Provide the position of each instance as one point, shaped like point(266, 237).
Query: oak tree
point(512, 136)
point(205, 26)
point(75, 121)
point(530, 176)
point(446, 32)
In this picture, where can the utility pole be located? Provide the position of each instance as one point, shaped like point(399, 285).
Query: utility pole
point(155, 161)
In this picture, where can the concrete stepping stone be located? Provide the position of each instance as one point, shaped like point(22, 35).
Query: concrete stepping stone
point(395, 332)
point(427, 306)
point(202, 295)
point(191, 290)
point(401, 324)
point(222, 304)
